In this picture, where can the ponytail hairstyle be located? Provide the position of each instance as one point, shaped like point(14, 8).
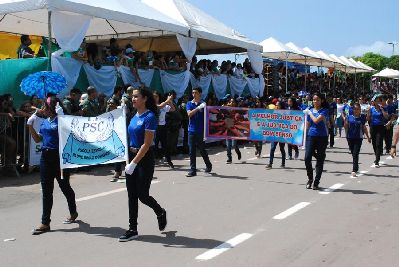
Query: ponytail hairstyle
point(150, 102)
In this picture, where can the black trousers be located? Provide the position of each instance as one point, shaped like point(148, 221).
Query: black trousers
point(354, 145)
point(377, 138)
point(290, 148)
point(388, 138)
point(258, 147)
point(50, 169)
point(315, 146)
point(162, 136)
point(331, 136)
point(138, 187)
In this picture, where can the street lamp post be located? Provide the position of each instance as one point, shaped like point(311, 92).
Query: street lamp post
point(393, 47)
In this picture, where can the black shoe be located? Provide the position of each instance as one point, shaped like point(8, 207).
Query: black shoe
point(129, 235)
point(238, 154)
point(269, 166)
point(170, 163)
point(316, 186)
point(309, 184)
point(208, 169)
point(229, 161)
point(41, 229)
point(162, 221)
point(282, 166)
point(191, 174)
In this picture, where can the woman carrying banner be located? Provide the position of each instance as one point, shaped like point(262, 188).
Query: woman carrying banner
point(376, 116)
point(293, 105)
point(140, 170)
point(230, 143)
point(258, 144)
point(355, 128)
point(273, 146)
point(316, 139)
point(50, 164)
point(162, 132)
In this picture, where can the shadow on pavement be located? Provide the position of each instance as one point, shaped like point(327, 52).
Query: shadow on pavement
point(354, 191)
point(212, 174)
point(169, 240)
point(172, 240)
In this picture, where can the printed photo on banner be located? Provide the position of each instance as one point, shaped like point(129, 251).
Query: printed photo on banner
point(285, 126)
point(227, 122)
point(92, 140)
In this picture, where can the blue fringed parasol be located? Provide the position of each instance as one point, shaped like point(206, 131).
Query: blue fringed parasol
point(43, 82)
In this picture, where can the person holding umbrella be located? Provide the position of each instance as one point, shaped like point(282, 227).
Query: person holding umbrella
point(50, 164)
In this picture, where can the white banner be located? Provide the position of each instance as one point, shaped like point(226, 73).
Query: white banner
point(35, 149)
point(92, 140)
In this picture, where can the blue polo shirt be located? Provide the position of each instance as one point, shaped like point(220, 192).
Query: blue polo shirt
point(391, 110)
point(196, 122)
point(355, 130)
point(377, 118)
point(319, 129)
point(138, 125)
point(49, 132)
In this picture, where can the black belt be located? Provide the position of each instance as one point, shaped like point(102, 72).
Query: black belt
point(49, 150)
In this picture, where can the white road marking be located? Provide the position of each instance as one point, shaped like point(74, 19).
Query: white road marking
point(331, 189)
point(106, 193)
point(229, 244)
point(291, 210)
point(363, 172)
point(254, 158)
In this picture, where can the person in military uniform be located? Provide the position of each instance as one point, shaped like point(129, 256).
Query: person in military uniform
point(71, 102)
point(90, 106)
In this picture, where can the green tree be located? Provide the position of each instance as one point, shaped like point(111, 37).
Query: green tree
point(376, 61)
point(394, 62)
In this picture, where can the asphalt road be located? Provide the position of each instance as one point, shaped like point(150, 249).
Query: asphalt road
point(239, 215)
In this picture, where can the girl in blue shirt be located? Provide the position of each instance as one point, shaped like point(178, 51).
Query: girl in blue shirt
point(140, 169)
point(356, 128)
point(376, 116)
point(316, 139)
point(50, 164)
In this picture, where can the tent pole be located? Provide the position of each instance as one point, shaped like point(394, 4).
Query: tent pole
point(49, 48)
point(306, 74)
point(286, 75)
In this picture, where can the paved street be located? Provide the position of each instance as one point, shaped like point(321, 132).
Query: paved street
point(239, 215)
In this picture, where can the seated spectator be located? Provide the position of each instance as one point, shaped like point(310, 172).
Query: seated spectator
point(71, 102)
point(81, 53)
point(174, 63)
point(239, 72)
point(24, 51)
point(26, 109)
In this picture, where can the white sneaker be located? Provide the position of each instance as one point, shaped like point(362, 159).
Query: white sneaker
point(354, 175)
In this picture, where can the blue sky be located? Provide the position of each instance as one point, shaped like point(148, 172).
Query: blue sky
point(341, 27)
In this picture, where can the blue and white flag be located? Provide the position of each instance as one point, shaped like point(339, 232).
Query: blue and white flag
point(88, 141)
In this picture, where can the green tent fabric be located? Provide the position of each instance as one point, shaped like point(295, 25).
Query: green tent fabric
point(13, 71)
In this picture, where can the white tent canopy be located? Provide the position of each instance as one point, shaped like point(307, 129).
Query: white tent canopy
point(274, 49)
point(387, 73)
point(152, 23)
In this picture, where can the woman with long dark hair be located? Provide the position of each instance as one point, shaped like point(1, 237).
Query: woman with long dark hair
point(293, 105)
point(140, 169)
point(376, 116)
point(50, 164)
point(316, 138)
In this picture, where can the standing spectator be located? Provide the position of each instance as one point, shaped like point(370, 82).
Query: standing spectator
point(24, 51)
point(162, 131)
point(7, 143)
point(90, 106)
point(173, 125)
point(195, 112)
point(71, 102)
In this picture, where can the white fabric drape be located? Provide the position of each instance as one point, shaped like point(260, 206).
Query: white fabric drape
point(256, 59)
point(219, 83)
point(146, 76)
point(128, 77)
point(237, 85)
point(254, 85)
point(104, 79)
point(189, 47)
point(203, 82)
point(69, 29)
point(176, 82)
point(69, 68)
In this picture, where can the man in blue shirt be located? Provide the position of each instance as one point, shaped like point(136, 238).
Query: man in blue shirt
point(195, 112)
